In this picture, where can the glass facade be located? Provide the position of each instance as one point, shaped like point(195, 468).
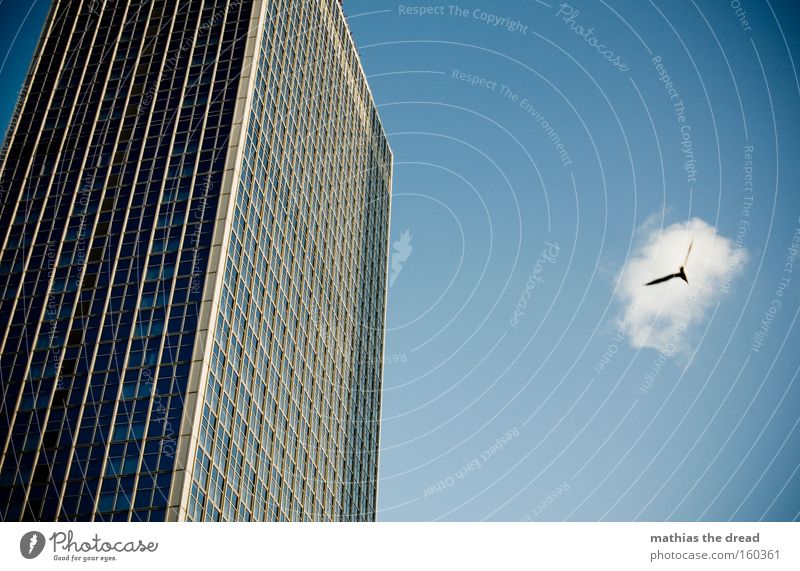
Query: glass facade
point(195, 211)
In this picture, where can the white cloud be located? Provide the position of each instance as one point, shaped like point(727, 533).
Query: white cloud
point(659, 316)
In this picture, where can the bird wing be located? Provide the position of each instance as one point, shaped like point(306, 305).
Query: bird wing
point(664, 279)
point(688, 252)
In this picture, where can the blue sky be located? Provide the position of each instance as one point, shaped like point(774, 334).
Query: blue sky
point(543, 161)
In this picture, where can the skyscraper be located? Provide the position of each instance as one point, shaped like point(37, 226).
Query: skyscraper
point(194, 222)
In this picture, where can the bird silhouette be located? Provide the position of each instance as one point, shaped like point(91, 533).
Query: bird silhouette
point(680, 274)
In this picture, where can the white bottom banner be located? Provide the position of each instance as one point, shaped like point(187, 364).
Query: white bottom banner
point(491, 546)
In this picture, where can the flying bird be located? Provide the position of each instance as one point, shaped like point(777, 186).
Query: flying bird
point(681, 273)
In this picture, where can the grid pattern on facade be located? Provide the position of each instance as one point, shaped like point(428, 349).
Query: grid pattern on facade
point(110, 174)
point(289, 421)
